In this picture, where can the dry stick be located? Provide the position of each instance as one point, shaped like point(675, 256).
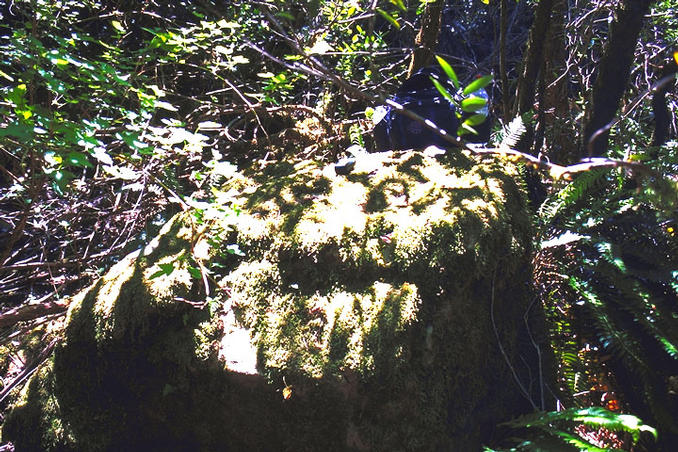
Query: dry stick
point(30, 312)
point(249, 104)
point(28, 370)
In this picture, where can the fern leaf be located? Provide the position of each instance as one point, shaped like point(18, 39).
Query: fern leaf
point(513, 133)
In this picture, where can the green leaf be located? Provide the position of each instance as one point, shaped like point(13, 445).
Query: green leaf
point(399, 4)
point(61, 179)
point(465, 128)
point(78, 159)
point(195, 272)
point(165, 269)
point(234, 249)
point(165, 105)
point(388, 18)
point(285, 15)
point(449, 71)
point(16, 96)
point(475, 120)
point(442, 90)
point(473, 103)
point(477, 84)
point(118, 26)
point(18, 130)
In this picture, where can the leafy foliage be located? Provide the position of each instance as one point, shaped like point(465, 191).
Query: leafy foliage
point(614, 246)
point(471, 99)
point(556, 430)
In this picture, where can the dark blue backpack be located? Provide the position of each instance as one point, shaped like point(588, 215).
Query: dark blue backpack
point(395, 131)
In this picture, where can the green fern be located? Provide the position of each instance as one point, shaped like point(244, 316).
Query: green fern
point(513, 132)
point(613, 241)
point(555, 430)
point(569, 196)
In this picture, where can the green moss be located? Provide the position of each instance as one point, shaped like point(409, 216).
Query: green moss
point(368, 300)
point(36, 422)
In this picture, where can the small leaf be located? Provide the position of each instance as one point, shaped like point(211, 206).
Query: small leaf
point(449, 71)
point(442, 90)
point(287, 392)
point(475, 120)
point(165, 105)
point(399, 4)
point(101, 155)
point(473, 103)
point(118, 26)
point(16, 96)
point(209, 125)
point(234, 249)
point(165, 269)
point(195, 272)
point(320, 47)
point(285, 15)
point(61, 180)
point(465, 128)
point(388, 18)
point(78, 159)
point(121, 172)
point(477, 84)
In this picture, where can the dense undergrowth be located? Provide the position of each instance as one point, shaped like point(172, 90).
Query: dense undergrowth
point(114, 115)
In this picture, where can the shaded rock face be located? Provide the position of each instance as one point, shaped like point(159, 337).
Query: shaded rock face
point(366, 314)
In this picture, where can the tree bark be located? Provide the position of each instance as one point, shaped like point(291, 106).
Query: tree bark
point(427, 38)
point(554, 107)
point(534, 58)
point(662, 117)
point(613, 75)
point(503, 72)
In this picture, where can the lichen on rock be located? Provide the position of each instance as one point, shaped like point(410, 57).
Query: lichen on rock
point(371, 304)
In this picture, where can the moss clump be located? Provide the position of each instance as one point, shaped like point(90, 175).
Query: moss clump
point(36, 422)
point(371, 305)
point(388, 276)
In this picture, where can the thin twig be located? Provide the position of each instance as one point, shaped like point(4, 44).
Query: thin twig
point(29, 370)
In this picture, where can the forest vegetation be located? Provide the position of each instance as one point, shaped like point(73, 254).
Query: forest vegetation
point(116, 115)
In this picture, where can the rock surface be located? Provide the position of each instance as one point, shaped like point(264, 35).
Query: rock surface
point(373, 311)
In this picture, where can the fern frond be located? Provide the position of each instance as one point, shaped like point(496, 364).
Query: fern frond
point(513, 133)
point(569, 195)
point(560, 424)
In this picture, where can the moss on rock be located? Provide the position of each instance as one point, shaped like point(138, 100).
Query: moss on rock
point(370, 303)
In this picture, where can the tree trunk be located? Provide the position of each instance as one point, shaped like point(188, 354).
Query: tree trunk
point(662, 117)
point(613, 75)
point(427, 38)
point(503, 72)
point(554, 108)
point(534, 58)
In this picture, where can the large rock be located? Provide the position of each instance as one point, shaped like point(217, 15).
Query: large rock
point(383, 310)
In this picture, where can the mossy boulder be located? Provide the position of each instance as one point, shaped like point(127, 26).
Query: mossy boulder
point(374, 311)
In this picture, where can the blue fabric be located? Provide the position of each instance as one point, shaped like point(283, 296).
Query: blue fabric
point(418, 94)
